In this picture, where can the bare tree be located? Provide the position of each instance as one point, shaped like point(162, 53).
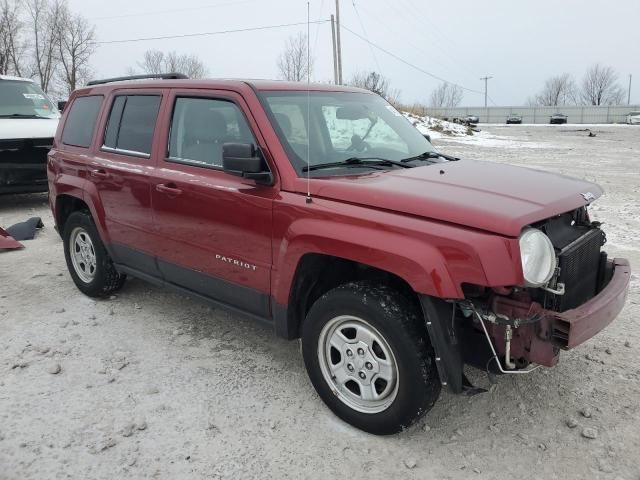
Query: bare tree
point(152, 62)
point(12, 45)
point(600, 87)
point(75, 46)
point(156, 62)
point(293, 63)
point(558, 90)
point(190, 65)
point(376, 83)
point(45, 16)
point(446, 95)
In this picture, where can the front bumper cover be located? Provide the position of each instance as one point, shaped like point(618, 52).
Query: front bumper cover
point(541, 341)
point(581, 323)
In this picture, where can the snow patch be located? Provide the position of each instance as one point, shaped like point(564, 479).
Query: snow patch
point(437, 128)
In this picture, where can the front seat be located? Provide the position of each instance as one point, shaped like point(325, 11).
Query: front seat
point(204, 130)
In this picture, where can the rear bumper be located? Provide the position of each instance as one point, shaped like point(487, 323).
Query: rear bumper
point(574, 327)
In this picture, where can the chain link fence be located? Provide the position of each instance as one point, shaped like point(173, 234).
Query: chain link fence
point(575, 114)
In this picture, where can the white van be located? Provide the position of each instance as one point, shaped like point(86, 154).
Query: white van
point(28, 122)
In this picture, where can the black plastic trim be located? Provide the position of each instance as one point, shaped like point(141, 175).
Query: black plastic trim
point(159, 76)
point(215, 290)
point(437, 316)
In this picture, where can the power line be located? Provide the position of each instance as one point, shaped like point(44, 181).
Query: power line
point(364, 31)
point(400, 59)
point(441, 38)
point(315, 42)
point(220, 32)
point(429, 54)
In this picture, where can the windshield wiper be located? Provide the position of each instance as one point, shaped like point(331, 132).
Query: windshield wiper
point(357, 161)
point(428, 155)
point(21, 115)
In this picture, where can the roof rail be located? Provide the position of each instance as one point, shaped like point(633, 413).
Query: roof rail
point(160, 76)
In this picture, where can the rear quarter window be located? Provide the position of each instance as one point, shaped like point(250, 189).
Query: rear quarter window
point(81, 121)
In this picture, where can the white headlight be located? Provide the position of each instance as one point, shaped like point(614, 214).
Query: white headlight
point(538, 257)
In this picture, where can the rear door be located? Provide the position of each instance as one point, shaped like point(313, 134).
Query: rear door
point(216, 227)
point(120, 172)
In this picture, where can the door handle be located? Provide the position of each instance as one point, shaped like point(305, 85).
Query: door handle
point(169, 189)
point(99, 173)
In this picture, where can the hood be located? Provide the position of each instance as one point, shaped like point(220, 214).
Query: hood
point(16, 128)
point(489, 196)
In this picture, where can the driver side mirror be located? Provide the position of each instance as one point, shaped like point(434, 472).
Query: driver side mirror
point(244, 160)
point(61, 105)
point(427, 136)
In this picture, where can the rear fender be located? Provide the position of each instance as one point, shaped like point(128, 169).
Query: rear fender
point(75, 186)
point(92, 199)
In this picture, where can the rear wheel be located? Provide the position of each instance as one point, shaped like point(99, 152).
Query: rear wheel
point(366, 351)
point(88, 262)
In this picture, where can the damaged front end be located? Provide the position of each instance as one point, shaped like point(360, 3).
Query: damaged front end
point(23, 165)
point(585, 293)
point(510, 329)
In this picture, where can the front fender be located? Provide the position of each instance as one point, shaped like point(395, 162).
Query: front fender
point(421, 265)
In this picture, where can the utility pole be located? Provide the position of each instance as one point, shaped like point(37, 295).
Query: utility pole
point(333, 43)
point(629, 92)
point(485, 89)
point(338, 46)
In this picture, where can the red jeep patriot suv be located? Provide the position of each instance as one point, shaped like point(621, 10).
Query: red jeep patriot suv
point(321, 210)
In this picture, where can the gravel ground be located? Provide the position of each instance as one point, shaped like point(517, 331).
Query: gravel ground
point(150, 384)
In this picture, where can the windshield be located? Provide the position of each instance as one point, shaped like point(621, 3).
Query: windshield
point(20, 99)
point(342, 126)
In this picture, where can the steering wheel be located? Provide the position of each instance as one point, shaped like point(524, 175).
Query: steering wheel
point(358, 144)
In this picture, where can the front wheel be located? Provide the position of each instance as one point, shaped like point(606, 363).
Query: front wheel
point(366, 352)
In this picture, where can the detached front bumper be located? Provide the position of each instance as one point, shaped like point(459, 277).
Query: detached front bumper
point(541, 341)
point(576, 326)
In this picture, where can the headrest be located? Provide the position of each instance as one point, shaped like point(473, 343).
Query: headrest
point(203, 123)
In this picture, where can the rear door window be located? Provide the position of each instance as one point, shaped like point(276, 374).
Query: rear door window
point(131, 124)
point(81, 121)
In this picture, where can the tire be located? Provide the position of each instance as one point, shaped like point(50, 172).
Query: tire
point(94, 273)
point(392, 328)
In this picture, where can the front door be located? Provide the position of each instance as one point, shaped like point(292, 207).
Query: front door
point(215, 227)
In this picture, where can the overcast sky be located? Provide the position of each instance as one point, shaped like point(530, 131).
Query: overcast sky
point(518, 42)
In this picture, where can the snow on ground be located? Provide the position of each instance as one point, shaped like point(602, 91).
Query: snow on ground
point(442, 129)
point(150, 384)
point(435, 127)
